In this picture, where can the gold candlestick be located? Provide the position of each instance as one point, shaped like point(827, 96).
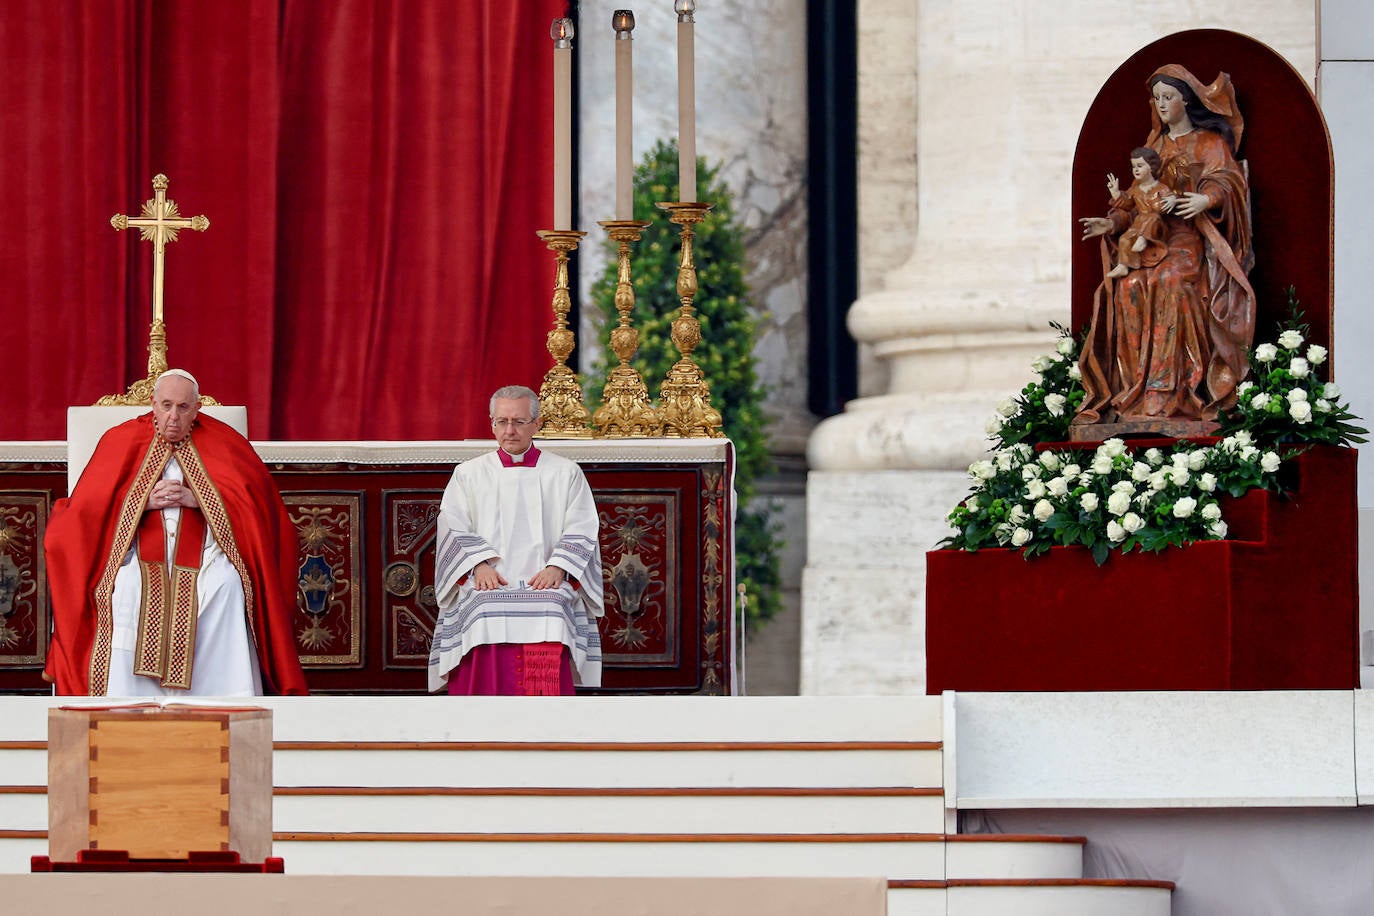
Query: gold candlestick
point(625, 407)
point(560, 396)
point(685, 398)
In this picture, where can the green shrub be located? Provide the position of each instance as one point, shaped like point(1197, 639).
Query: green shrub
point(726, 353)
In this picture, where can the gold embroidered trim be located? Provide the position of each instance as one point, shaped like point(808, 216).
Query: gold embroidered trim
point(130, 513)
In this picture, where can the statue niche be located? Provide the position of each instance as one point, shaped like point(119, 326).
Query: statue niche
point(1173, 317)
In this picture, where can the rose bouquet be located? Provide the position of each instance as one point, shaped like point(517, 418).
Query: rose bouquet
point(1116, 499)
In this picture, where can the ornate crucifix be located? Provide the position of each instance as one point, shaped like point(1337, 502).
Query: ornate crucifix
point(159, 222)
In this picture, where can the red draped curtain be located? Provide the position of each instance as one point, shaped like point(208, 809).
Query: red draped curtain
point(374, 173)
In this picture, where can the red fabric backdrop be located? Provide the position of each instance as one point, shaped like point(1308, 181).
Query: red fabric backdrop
point(374, 173)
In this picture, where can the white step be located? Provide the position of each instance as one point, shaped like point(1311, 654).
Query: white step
point(1081, 899)
point(630, 856)
point(606, 812)
point(538, 766)
point(1003, 856)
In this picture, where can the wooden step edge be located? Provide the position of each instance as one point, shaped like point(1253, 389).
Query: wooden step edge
point(569, 745)
point(578, 791)
point(23, 834)
point(632, 746)
point(1014, 838)
point(405, 837)
point(615, 791)
point(897, 884)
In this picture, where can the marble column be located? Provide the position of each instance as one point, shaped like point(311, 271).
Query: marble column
point(997, 95)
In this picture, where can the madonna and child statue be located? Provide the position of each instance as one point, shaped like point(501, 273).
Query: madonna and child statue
point(1173, 317)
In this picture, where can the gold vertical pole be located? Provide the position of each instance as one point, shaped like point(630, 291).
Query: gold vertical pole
point(625, 407)
point(560, 396)
point(685, 398)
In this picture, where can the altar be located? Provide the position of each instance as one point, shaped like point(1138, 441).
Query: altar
point(365, 514)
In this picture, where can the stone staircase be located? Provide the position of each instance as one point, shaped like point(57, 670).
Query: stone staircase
point(624, 787)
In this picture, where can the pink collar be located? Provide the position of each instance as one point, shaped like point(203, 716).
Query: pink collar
point(529, 459)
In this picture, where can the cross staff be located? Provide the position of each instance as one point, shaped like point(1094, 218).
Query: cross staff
point(159, 222)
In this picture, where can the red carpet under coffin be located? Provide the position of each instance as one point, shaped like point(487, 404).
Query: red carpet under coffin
point(1274, 608)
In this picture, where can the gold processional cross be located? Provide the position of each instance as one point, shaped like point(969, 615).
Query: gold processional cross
point(158, 222)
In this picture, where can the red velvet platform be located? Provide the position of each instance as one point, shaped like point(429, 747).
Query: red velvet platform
point(114, 860)
point(1275, 607)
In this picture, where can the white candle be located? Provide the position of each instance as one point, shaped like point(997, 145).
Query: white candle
point(686, 104)
point(562, 32)
point(623, 21)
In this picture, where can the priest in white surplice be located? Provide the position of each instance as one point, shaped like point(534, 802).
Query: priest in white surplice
point(517, 567)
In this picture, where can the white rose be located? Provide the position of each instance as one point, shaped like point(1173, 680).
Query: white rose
point(1243, 437)
point(1020, 537)
point(1331, 391)
point(1140, 472)
point(1211, 512)
point(1132, 522)
point(1071, 471)
point(1115, 532)
point(1244, 387)
point(1113, 447)
point(1179, 459)
point(1179, 476)
point(1075, 373)
point(1323, 405)
point(1054, 403)
point(1035, 489)
point(1154, 456)
point(1089, 502)
point(1266, 353)
point(982, 470)
point(1197, 460)
point(1022, 450)
point(1123, 486)
point(1143, 500)
point(1018, 515)
point(1298, 367)
point(1030, 471)
point(1007, 408)
point(1159, 480)
point(1065, 346)
point(1297, 394)
point(1290, 339)
point(1102, 464)
point(971, 503)
point(1042, 363)
point(1051, 461)
point(1207, 483)
point(1184, 507)
point(993, 427)
point(1085, 479)
point(1119, 502)
point(1043, 510)
point(1316, 354)
point(1058, 486)
point(1249, 453)
point(1260, 401)
point(1270, 462)
point(1300, 411)
point(1004, 460)
point(1217, 529)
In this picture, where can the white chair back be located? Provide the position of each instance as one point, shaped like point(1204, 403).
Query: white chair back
point(85, 426)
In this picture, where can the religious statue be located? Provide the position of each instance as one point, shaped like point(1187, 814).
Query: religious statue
point(1174, 317)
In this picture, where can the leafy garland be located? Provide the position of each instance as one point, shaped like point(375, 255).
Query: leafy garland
point(1112, 499)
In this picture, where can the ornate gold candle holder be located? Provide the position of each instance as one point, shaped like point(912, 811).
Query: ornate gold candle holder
point(560, 396)
point(685, 397)
point(625, 406)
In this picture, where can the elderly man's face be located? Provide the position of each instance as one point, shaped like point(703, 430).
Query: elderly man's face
point(175, 406)
point(513, 425)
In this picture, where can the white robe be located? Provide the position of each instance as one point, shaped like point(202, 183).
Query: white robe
point(225, 663)
point(520, 520)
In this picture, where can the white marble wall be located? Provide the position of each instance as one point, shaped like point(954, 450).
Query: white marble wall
point(751, 118)
point(1000, 91)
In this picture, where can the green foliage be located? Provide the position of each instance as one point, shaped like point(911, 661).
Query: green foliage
point(1284, 400)
point(726, 352)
